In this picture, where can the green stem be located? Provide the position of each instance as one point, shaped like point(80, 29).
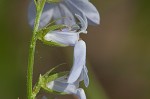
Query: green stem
point(32, 50)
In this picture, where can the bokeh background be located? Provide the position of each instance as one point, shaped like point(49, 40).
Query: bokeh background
point(118, 51)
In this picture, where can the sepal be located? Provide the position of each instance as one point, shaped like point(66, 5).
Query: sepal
point(39, 4)
point(48, 77)
point(52, 78)
point(47, 29)
point(53, 1)
point(41, 34)
point(51, 70)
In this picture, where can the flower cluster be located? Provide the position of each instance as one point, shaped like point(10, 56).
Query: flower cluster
point(75, 15)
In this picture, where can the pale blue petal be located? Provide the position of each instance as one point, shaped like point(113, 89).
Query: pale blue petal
point(61, 85)
point(84, 7)
point(86, 78)
point(79, 61)
point(83, 22)
point(81, 94)
point(31, 13)
point(61, 11)
point(46, 15)
point(66, 38)
point(81, 77)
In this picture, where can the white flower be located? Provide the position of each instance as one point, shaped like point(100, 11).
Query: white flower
point(68, 36)
point(61, 85)
point(67, 9)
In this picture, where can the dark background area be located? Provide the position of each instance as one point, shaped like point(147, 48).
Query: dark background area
point(118, 51)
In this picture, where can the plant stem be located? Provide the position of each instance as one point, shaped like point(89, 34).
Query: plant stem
point(32, 50)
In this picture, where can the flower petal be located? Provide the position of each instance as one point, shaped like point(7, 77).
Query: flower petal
point(84, 23)
point(84, 7)
point(61, 11)
point(61, 85)
point(47, 14)
point(86, 78)
point(65, 38)
point(81, 94)
point(79, 61)
point(45, 17)
point(31, 13)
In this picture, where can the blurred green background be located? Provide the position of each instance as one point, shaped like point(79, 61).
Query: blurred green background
point(118, 51)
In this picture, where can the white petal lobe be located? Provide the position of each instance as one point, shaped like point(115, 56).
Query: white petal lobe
point(79, 61)
point(65, 38)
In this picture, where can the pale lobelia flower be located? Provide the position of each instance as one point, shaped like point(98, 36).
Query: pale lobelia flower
point(70, 84)
point(68, 36)
point(65, 9)
point(61, 85)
